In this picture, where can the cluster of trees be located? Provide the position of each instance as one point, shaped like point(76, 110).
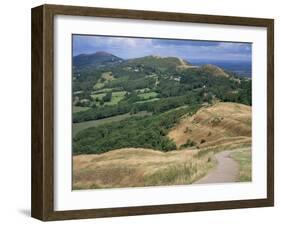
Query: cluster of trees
point(101, 112)
point(245, 92)
point(85, 79)
point(107, 97)
point(145, 132)
point(227, 89)
point(171, 88)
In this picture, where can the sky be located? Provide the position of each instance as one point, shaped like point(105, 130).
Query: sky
point(130, 47)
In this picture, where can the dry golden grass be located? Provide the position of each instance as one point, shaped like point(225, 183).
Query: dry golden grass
point(133, 167)
point(212, 125)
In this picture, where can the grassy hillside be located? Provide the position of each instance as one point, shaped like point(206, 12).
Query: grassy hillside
point(220, 123)
point(164, 77)
point(146, 132)
point(210, 126)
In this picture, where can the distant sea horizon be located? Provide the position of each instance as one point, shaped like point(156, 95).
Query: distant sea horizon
point(242, 68)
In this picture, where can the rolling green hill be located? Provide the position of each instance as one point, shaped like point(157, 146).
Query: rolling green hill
point(106, 86)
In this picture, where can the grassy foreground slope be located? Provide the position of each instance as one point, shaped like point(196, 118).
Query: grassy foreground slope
point(135, 167)
point(223, 126)
point(138, 167)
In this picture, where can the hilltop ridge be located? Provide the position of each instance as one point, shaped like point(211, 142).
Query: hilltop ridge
point(163, 63)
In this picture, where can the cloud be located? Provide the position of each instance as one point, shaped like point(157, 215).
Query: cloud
point(127, 47)
point(184, 42)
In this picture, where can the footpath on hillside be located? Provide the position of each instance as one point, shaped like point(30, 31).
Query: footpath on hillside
point(226, 170)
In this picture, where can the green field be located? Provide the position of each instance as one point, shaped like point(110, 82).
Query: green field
point(78, 109)
point(99, 95)
point(116, 97)
point(143, 90)
point(149, 100)
point(148, 95)
point(105, 90)
point(77, 127)
point(98, 85)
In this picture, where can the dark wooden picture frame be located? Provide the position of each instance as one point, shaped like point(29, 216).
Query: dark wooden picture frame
point(43, 107)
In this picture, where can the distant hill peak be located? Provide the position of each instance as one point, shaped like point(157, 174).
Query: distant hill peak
point(102, 53)
point(97, 59)
point(156, 56)
point(96, 54)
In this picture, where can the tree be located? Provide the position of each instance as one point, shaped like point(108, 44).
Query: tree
point(107, 97)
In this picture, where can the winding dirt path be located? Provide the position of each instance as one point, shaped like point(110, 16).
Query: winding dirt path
point(226, 171)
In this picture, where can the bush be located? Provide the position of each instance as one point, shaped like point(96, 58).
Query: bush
point(107, 97)
point(188, 143)
point(202, 141)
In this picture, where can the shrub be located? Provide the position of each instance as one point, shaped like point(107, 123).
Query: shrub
point(188, 143)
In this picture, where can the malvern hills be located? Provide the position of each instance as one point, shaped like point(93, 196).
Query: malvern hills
point(156, 120)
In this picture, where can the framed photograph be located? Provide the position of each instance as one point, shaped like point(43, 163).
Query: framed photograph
point(141, 112)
